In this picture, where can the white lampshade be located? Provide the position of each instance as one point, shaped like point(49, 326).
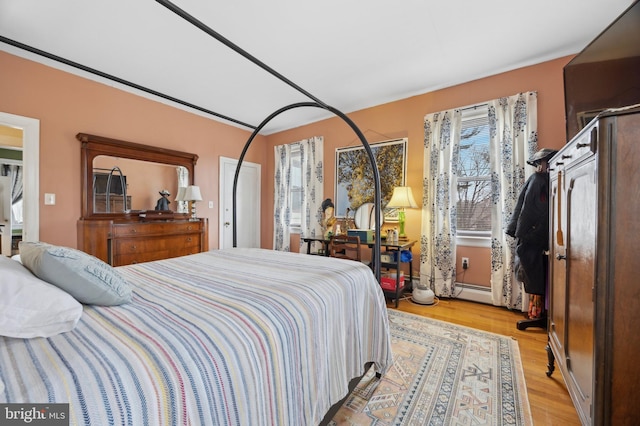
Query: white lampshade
point(180, 194)
point(192, 193)
point(402, 198)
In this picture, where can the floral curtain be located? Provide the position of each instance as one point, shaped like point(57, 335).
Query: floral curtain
point(438, 236)
point(513, 139)
point(281, 196)
point(311, 164)
point(311, 156)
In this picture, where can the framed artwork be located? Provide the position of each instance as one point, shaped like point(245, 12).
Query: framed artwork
point(354, 176)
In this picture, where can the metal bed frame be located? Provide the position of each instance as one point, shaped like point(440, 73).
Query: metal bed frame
point(314, 103)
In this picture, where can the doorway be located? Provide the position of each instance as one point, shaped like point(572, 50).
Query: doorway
point(30, 130)
point(248, 203)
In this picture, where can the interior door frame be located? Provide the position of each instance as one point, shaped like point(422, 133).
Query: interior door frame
point(31, 172)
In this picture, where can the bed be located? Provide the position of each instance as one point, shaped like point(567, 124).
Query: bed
point(235, 336)
point(225, 337)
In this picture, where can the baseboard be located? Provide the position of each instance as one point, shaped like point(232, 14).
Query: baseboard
point(473, 293)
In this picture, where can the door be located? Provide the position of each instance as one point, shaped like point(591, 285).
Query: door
point(5, 215)
point(557, 261)
point(581, 196)
point(31, 174)
point(248, 204)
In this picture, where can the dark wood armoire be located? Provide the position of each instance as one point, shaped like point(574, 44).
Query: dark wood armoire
point(594, 298)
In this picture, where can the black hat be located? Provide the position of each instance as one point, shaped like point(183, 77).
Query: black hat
point(543, 154)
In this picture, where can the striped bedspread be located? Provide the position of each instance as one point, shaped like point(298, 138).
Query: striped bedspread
point(226, 337)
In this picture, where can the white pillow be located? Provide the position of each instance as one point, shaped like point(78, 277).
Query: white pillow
point(88, 279)
point(30, 307)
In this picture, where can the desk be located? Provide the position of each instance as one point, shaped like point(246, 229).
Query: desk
point(324, 241)
point(385, 247)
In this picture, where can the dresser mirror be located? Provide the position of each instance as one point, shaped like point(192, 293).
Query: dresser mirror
point(121, 178)
point(121, 184)
point(364, 217)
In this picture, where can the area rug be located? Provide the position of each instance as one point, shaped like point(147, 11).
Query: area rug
point(443, 374)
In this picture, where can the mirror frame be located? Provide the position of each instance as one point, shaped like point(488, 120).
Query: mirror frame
point(93, 146)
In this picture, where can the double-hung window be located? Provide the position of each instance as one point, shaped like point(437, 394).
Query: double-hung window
point(474, 176)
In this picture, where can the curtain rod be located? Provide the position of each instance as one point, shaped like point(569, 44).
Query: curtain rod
point(118, 80)
point(476, 106)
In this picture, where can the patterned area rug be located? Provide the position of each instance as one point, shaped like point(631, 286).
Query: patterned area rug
point(443, 374)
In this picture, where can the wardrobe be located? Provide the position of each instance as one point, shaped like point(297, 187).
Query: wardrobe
point(594, 297)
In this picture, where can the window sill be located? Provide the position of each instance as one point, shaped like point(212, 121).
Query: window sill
point(473, 241)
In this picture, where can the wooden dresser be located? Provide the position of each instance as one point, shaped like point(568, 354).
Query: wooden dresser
point(122, 236)
point(123, 243)
point(594, 312)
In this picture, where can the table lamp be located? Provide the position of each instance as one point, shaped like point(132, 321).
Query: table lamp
point(402, 198)
point(192, 194)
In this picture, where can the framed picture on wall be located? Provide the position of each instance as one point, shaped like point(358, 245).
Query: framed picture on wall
point(354, 176)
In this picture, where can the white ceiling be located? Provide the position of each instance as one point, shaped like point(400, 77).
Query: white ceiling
point(348, 54)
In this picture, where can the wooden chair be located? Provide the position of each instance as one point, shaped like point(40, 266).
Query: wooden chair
point(345, 247)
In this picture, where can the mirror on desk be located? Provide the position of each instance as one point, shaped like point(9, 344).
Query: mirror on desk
point(364, 217)
point(121, 178)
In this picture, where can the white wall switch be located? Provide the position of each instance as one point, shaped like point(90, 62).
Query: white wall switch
point(49, 199)
point(210, 204)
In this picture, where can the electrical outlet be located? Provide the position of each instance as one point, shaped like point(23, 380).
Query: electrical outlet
point(465, 263)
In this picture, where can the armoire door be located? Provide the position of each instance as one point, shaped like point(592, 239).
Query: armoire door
point(581, 202)
point(557, 264)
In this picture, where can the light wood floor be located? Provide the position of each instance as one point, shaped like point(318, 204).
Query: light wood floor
point(548, 397)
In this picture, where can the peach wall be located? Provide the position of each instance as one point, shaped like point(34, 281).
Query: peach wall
point(67, 104)
point(404, 118)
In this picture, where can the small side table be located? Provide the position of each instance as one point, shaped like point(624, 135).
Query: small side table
point(396, 248)
point(324, 241)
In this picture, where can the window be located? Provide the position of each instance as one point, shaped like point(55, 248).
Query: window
point(474, 174)
point(296, 188)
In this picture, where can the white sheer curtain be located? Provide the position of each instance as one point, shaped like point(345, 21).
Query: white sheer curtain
point(282, 195)
point(438, 239)
point(14, 171)
point(311, 156)
point(513, 139)
point(183, 182)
